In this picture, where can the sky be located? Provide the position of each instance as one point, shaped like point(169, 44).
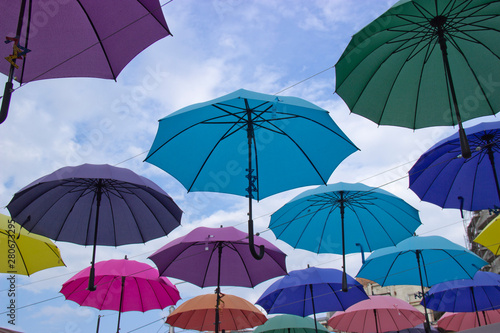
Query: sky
point(217, 47)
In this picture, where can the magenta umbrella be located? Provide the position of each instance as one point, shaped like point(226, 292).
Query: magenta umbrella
point(219, 257)
point(85, 38)
point(122, 285)
point(377, 314)
point(459, 321)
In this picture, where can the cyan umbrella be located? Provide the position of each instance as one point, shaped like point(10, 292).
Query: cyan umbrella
point(344, 218)
point(425, 63)
point(441, 176)
point(482, 293)
point(249, 144)
point(95, 204)
point(423, 261)
point(288, 323)
point(310, 291)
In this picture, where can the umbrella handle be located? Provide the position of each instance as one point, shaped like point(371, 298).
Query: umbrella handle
point(6, 101)
point(251, 244)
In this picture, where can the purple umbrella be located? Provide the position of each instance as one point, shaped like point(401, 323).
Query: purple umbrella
point(218, 256)
point(95, 205)
point(83, 38)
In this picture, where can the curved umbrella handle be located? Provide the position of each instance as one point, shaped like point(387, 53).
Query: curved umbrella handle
point(251, 243)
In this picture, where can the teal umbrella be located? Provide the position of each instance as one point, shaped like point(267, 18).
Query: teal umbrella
point(423, 261)
point(249, 144)
point(344, 218)
point(290, 324)
point(425, 63)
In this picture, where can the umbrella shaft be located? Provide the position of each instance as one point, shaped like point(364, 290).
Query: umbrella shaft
point(427, 323)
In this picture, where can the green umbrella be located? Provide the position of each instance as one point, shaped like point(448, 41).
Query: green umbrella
point(425, 63)
point(290, 324)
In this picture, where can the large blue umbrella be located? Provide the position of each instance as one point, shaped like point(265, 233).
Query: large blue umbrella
point(344, 218)
point(249, 144)
point(482, 293)
point(310, 291)
point(423, 261)
point(94, 205)
point(441, 176)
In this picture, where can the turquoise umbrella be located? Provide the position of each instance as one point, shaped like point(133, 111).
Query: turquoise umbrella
point(344, 218)
point(249, 144)
point(290, 324)
point(423, 261)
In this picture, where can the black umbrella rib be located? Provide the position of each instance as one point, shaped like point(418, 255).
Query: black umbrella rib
point(214, 248)
point(98, 38)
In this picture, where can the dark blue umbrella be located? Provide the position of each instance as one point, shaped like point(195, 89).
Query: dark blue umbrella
point(423, 261)
point(482, 293)
point(95, 205)
point(249, 144)
point(310, 291)
point(441, 176)
point(344, 218)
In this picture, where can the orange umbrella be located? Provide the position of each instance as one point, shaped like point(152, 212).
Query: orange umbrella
point(198, 314)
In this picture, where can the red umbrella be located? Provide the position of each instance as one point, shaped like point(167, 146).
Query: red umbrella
point(377, 314)
point(459, 321)
point(122, 285)
point(198, 314)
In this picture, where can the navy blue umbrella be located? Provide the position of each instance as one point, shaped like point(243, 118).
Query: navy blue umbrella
point(443, 177)
point(482, 293)
point(95, 205)
point(310, 291)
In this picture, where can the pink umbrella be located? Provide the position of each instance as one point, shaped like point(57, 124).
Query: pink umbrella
point(377, 314)
point(122, 285)
point(459, 321)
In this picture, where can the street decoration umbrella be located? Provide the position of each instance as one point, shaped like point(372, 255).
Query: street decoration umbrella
point(310, 291)
point(198, 313)
point(290, 324)
point(377, 314)
point(249, 144)
point(95, 205)
point(482, 293)
point(74, 39)
point(122, 285)
point(441, 176)
point(23, 252)
point(489, 236)
point(423, 261)
point(460, 321)
point(366, 218)
point(417, 329)
point(218, 257)
point(425, 63)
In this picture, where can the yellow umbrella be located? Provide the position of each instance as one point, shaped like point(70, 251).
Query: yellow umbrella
point(490, 236)
point(25, 253)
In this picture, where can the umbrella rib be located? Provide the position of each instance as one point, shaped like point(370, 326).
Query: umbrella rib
point(99, 39)
point(459, 264)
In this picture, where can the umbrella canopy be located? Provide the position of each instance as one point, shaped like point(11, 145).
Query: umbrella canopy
point(482, 293)
point(310, 291)
point(198, 314)
point(417, 329)
point(441, 176)
point(489, 238)
point(290, 324)
point(424, 63)
point(377, 314)
point(422, 261)
point(99, 38)
point(122, 285)
point(367, 218)
point(218, 257)
point(466, 320)
point(25, 253)
point(245, 143)
point(95, 205)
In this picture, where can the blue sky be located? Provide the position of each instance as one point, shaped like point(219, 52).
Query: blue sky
point(217, 47)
